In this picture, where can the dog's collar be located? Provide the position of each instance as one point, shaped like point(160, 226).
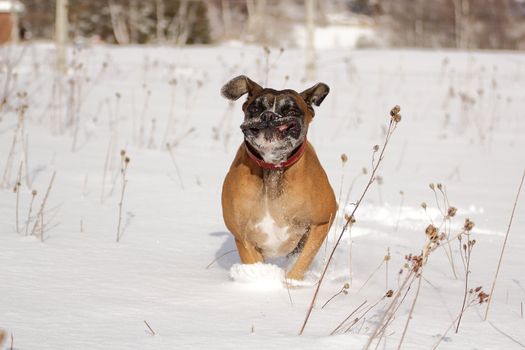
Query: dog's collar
point(296, 155)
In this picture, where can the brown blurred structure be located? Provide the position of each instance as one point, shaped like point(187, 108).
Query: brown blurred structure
point(9, 12)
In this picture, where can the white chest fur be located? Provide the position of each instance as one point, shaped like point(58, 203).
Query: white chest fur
point(275, 235)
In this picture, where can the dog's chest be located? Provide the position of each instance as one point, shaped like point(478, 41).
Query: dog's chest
point(274, 233)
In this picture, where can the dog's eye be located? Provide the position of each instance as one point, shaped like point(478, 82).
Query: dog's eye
point(292, 112)
point(254, 109)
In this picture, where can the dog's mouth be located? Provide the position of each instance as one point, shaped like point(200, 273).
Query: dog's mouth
point(273, 130)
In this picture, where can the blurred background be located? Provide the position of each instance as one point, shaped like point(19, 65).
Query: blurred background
point(462, 24)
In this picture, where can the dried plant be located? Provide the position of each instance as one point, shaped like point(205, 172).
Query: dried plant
point(466, 253)
point(39, 222)
point(124, 162)
point(503, 247)
point(395, 118)
point(344, 290)
point(413, 269)
point(18, 138)
point(33, 195)
point(16, 190)
point(476, 296)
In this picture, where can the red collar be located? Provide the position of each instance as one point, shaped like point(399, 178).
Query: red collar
point(289, 162)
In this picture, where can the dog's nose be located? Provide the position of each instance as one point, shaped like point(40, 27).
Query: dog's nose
point(268, 116)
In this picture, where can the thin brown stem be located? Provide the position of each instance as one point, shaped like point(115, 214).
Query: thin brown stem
point(125, 162)
point(468, 250)
point(220, 256)
point(40, 213)
point(349, 221)
point(343, 290)
point(348, 317)
point(503, 248)
point(412, 307)
point(150, 329)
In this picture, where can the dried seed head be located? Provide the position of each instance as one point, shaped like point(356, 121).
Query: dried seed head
point(33, 193)
point(397, 118)
point(126, 160)
point(424, 205)
point(452, 211)
point(350, 219)
point(483, 297)
point(122, 152)
point(440, 186)
point(364, 171)
point(346, 286)
point(118, 95)
point(432, 232)
point(431, 185)
point(344, 158)
point(376, 148)
point(389, 293)
point(469, 225)
point(395, 110)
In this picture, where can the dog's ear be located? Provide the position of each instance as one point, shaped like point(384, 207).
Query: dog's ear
point(238, 86)
point(316, 94)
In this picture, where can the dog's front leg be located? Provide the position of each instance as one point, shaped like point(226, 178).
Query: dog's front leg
point(311, 247)
point(248, 253)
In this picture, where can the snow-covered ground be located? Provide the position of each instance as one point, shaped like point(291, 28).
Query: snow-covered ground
point(462, 125)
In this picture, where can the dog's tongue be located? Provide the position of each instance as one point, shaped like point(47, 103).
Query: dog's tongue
point(282, 127)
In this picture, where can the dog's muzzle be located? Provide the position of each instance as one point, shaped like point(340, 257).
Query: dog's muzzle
point(272, 126)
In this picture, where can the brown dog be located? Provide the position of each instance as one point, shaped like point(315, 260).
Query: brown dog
point(276, 198)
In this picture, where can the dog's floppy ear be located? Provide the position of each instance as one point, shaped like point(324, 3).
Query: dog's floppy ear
point(238, 86)
point(315, 94)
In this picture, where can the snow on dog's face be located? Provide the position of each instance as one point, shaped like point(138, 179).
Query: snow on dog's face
point(275, 122)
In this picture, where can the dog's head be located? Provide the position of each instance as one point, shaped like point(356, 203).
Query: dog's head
point(275, 122)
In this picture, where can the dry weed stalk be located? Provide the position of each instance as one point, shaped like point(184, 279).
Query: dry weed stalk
point(152, 332)
point(219, 257)
point(344, 290)
point(447, 213)
point(344, 160)
point(385, 260)
point(40, 214)
point(395, 118)
point(465, 250)
point(33, 195)
point(476, 297)
point(124, 160)
point(18, 135)
point(16, 190)
point(503, 247)
point(413, 267)
point(343, 327)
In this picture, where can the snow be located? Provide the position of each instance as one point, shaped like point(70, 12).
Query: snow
point(462, 125)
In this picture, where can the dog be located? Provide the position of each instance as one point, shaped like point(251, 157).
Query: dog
point(276, 197)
